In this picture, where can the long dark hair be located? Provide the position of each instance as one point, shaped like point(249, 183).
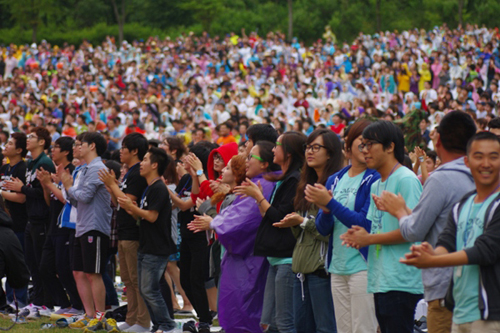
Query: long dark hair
point(309, 176)
point(293, 147)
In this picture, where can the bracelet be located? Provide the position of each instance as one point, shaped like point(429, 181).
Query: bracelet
point(421, 159)
point(258, 203)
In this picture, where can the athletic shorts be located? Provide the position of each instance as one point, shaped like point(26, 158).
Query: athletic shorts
point(91, 252)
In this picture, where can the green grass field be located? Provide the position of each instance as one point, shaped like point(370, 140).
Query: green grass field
point(34, 325)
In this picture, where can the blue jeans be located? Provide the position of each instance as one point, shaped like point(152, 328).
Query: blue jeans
point(395, 311)
point(150, 269)
point(277, 311)
point(313, 305)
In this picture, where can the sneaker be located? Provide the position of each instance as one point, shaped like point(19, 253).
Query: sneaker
point(93, 326)
point(204, 328)
point(81, 322)
point(137, 329)
point(62, 311)
point(74, 312)
point(189, 327)
point(124, 327)
point(110, 325)
point(213, 314)
point(34, 314)
point(45, 311)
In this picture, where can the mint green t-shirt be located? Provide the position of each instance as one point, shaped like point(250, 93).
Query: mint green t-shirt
point(470, 225)
point(385, 272)
point(346, 260)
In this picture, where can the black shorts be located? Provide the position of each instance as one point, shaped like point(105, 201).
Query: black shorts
point(91, 252)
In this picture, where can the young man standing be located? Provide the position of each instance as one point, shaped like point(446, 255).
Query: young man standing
point(471, 243)
point(156, 244)
point(37, 210)
point(397, 289)
point(446, 186)
point(134, 147)
point(93, 226)
point(55, 267)
point(15, 151)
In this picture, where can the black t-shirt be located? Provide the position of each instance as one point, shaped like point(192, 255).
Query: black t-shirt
point(55, 209)
point(17, 210)
point(133, 183)
point(184, 218)
point(156, 238)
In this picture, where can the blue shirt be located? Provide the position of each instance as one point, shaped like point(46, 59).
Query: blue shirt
point(92, 199)
point(346, 260)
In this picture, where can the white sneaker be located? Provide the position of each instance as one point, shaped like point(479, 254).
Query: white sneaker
point(137, 329)
point(74, 312)
point(45, 311)
point(124, 326)
point(34, 314)
point(62, 311)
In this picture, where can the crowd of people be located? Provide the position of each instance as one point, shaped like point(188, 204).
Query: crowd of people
point(277, 187)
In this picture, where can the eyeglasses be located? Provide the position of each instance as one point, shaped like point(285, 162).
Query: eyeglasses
point(368, 145)
point(76, 145)
point(56, 147)
point(314, 148)
point(278, 143)
point(258, 158)
point(31, 136)
point(219, 158)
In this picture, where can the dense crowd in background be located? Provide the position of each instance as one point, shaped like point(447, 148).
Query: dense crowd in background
point(275, 186)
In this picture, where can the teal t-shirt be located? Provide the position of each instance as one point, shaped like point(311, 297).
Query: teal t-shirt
point(470, 225)
point(346, 260)
point(385, 272)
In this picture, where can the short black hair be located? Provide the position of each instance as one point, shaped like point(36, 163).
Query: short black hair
point(100, 142)
point(66, 144)
point(159, 156)
point(115, 166)
point(482, 136)
point(20, 138)
point(202, 150)
point(43, 134)
point(432, 155)
point(455, 131)
point(80, 136)
point(494, 123)
point(262, 132)
point(135, 141)
point(386, 132)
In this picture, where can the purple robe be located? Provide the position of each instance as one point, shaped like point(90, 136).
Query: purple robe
point(243, 276)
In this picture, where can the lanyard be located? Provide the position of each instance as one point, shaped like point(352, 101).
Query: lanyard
point(379, 214)
point(468, 226)
point(12, 168)
point(129, 170)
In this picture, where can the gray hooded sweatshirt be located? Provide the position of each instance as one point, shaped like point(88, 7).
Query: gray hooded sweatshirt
point(445, 186)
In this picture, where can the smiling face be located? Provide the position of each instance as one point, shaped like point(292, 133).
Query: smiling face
point(254, 166)
point(483, 159)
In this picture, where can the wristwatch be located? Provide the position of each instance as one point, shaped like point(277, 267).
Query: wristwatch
point(199, 173)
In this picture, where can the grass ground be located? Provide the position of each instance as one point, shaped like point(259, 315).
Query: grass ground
point(34, 326)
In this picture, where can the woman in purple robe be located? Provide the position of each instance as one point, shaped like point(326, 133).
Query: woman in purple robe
point(243, 275)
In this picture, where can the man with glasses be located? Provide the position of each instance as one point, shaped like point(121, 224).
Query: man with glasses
point(446, 186)
point(396, 288)
point(55, 267)
point(38, 215)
